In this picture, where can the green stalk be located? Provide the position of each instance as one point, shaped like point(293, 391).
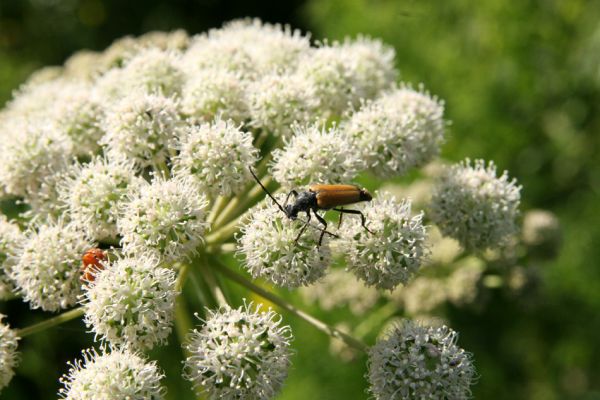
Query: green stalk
point(221, 248)
point(375, 319)
point(320, 325)
point(224, 234)
point(217, 208)
point(49, 323)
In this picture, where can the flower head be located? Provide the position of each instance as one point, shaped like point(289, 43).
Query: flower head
point(400, 130)
point(149, 71)
point(120, 374)
point(9, 357)
point(212, 92)
point(131, 302)
point(471, 204)
point(417, 362)
point(239, 353)
point(315, 155)
point(395, 250)
point(277, 102)
point(10, 237)
point(268, 244)
point(93, 194)
point(141, 127)
point(216, 156)
point(46, 271)
point(166, 218)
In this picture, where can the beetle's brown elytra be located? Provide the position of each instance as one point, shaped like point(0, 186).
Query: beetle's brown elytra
point(321, 197)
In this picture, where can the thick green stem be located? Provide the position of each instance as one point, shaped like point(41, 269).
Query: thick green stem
point(49, 323)
point(217, 208)
point(223, 234)
point(221, 248)
point(213, 284)
point(320, 325)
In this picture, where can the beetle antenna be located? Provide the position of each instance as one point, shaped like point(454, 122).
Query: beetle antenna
point(279, 205)
point(266, 191)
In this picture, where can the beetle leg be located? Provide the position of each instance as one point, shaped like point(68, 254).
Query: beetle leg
point(303, 227)
point(363, 220)
point(292, 192)
point(341, 215)
point(322, 221)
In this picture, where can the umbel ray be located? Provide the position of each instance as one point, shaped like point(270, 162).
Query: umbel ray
point(321, 197)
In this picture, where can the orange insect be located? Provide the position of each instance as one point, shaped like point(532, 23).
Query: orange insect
point(92, 263)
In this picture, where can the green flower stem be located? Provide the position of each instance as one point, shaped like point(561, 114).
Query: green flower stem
point(213, 284)
point(217, 208)
point(223, 234)
point(375, 319)
point(320, 325)
point(260, 139)
point(221, 248)
point(49, 323)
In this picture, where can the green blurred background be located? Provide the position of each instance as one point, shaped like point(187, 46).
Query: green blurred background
point(521, 81)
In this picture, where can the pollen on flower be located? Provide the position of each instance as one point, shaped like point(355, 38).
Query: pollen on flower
point(416, 362)
point(130, 302)
point(118, 374)
point(474, 206)
point(165, 218)
point(239, 353)
point(270, 251)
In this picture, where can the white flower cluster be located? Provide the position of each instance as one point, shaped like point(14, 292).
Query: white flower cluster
point(239, 353)
point(268, 244)
point(130, 303)
point(10, 236)
point(118, 374)
point(217, 156)
point(9, 357)
point(418, 362)
point(471, 204)
point(47, 261)
point(393, 253)
point(165, 218)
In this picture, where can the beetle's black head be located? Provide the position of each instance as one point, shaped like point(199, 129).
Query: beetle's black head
point(291, 211)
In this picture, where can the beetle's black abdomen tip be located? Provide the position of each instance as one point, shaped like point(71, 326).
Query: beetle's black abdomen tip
point(365, 195)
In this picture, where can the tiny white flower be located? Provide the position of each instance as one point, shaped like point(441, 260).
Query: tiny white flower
point(166, 218)
point(239, 353)
point(141, 127)
point(10, 237)
point(396, 249)
point(400, 130)
point(216, 156)
point(276, 102)
point(131, 302)
point(93, 194)
point(9, 356)
point(471, 204)
point(118, 375)
point(418, 362)
point(268, 244)
point(315, 155)
point(46, 270)
point(212, 92)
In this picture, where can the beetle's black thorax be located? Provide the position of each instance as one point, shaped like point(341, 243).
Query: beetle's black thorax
point(304, 202)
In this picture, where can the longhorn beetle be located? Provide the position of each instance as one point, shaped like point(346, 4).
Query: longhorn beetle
point(321, 197)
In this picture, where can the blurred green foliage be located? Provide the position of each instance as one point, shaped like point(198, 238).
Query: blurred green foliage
point(521, 81)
